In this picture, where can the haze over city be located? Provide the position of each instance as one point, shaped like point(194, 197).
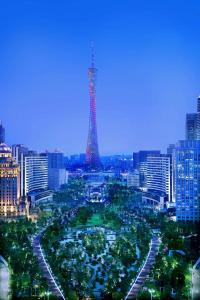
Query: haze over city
point(146, 54)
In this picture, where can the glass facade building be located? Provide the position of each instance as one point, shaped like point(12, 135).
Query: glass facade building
point(187, 188)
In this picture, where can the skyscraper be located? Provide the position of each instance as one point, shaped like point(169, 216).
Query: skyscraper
point(193, 124)
point(9, 183)
point(92, 151)
point(2, 133)
point(188, 180)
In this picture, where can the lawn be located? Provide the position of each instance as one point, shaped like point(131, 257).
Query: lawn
point(95, 219)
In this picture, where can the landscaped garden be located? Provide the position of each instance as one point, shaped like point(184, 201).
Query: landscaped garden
point(96, 255)
point(15, 246)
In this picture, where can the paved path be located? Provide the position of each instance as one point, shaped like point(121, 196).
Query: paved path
point(4, 281)
point(145, 270)
point(53, 286)
point(196, 280)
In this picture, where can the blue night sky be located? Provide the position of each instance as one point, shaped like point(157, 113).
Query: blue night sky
point(147, 55)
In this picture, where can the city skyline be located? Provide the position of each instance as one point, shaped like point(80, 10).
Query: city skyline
point(44, 59)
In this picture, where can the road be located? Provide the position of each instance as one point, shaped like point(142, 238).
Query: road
point(145, 270)
point(53, 286)
point(4, 281)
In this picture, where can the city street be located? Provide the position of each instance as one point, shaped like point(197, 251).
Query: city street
point(145, 270)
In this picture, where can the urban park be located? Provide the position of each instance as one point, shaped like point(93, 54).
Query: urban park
point(95, 251)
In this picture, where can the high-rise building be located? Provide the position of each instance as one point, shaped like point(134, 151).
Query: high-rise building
point(92, 151)
point(159, 174)
point(187, 185)
point(36, 173)
point(171, 154)
point(19, 152)
point(193, 124)
point(2, 133)
point(57, 174)
point(9, 184)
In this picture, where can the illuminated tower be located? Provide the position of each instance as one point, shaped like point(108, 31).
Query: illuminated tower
point(92, 151)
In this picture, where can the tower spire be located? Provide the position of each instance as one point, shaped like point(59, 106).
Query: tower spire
point(92, 54)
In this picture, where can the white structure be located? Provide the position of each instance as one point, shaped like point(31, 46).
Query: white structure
point(36, 173)
point(159, 173)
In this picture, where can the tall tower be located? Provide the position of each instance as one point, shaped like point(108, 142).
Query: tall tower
point(92, 151)
point(2, 133)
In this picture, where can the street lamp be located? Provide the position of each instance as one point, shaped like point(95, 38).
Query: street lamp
point(151, 291)
point(47, 293)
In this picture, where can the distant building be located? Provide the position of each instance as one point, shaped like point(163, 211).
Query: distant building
point(2, 133)
point(187, 180)
point(10, 201)
point(140, 164)
point(133, 179)
point(57, 174)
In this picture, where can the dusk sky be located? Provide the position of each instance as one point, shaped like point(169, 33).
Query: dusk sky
point(148, 60)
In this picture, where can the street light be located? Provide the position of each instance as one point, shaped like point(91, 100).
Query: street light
point(47, 293)
point(151, 291)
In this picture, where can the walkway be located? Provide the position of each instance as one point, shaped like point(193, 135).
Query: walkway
point(53, 286)
point(196, 280)
point(4, 280)
point(145, 270)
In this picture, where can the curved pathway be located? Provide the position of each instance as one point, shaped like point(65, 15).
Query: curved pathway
point(53, 286)
point(145, 270)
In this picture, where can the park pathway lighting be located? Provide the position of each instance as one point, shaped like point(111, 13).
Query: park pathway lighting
point(151, 291)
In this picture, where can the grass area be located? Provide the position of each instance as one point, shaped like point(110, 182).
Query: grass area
point(100, 220)
point(95, 220)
